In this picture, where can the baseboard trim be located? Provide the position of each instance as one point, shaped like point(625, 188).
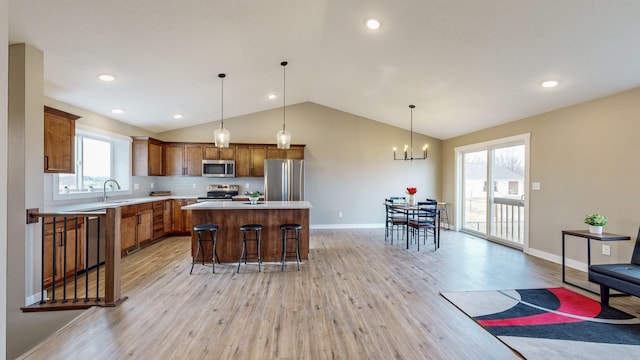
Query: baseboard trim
point(346, 226)
point(558, 259)
point(32, 299)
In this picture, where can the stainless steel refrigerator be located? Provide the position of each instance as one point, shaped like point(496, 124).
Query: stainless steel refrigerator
point(284, 180)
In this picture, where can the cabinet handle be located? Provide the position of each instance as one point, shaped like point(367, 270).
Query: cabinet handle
point(46, 162)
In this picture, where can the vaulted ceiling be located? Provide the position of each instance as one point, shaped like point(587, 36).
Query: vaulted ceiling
point(465, 64)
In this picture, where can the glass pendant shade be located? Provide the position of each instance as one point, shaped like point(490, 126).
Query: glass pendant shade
point(221, 137)
point(283, 139)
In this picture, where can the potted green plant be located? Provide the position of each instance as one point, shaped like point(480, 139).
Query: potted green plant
point(254, 196)
point(596, 222)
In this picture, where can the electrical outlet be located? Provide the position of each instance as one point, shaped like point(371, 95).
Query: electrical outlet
point(606, 250)
point(136, 186)
point(151, 185)
point(193, 185)
point(339, 214)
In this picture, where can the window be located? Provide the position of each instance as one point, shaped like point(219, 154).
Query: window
point(99, 157)
point(514, 188)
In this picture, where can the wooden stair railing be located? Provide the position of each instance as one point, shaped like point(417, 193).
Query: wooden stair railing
point(73, 284)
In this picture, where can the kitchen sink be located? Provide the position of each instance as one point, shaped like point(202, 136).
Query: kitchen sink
point(117, 201)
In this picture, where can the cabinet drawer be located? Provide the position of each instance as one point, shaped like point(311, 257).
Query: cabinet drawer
point(134, 209)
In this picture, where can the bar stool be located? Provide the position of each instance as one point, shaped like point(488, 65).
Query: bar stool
point(444, 216)
point(213, 234)
point(257, 229)
point(286, 228)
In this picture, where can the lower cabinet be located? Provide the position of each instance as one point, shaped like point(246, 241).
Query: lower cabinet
point(136, 226)
point(168, 207)
point(158, 219)
point(181, 219)
point(54, 245)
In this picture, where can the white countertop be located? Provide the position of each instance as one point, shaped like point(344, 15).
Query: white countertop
point(235, 205)
point(111, 203)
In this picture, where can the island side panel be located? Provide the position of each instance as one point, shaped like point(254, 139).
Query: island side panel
point(229, 242)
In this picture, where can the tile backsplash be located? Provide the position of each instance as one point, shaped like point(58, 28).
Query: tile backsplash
point(191, 186)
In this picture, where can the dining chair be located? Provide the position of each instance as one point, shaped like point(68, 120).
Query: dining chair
point(394, 218)
point(424, 221)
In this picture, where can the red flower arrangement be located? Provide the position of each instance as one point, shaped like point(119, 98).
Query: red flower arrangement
point(411, 190)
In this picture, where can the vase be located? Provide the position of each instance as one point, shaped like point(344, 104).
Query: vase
point(412, 199)
point(595, 229)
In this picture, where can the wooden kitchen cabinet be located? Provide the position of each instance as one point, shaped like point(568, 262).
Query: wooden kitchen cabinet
point(294, 152)
point(56, 247)
point(136, 226)
point(181, 219)
point(168, 207)
point(59, 141)
point(250, 160)
point(183, 159)
point(147, 156)
point(159, 222)
point(211, 152)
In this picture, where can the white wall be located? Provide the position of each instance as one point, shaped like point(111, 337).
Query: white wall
point(25, 130)
point(586, 159)
point(4, 72)
point(349, 166)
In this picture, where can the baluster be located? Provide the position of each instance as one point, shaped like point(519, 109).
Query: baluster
point(53, 254)
point(86, 257)
point(64, 262)
point(42, 264)
point(75, 263)
point(98, 259)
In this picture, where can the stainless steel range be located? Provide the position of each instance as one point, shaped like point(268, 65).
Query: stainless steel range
point(220, 192)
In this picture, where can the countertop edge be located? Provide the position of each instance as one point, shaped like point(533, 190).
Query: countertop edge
point(95, 205)
point(240, 205)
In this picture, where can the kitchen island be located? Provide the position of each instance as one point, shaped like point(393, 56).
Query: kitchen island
point(230, 215)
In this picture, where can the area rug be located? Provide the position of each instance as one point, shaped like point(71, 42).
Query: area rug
point(553, 323)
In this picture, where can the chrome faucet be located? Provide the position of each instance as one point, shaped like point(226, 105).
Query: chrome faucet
point(104, 189)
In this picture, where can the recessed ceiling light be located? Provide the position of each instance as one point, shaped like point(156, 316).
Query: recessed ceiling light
point(117, 111)
point(373, 24)
point(272, 96)
point(177, 116)
point(106, 77)
point(550, 83)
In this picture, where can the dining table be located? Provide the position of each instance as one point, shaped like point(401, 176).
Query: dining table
point(412, 211)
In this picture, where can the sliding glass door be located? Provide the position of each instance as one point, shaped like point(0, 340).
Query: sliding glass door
point(475, 191)
point(507, 197)
point(492, 185)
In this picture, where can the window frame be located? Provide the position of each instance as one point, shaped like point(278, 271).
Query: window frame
point(121, 148)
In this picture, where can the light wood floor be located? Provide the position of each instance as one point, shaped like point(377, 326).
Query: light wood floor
point(356, 298)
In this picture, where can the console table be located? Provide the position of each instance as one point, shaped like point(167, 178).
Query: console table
point(585, 234)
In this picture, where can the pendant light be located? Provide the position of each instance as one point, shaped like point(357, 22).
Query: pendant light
point(221, 135)
point(283, 138)
point(408, 149)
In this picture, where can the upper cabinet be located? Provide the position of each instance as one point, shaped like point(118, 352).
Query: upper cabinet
point(250, 160)
point(183, 159)
point(147, 156)
point(59, 141)
point(211, 152)
point(152, 157)
point(294, 152)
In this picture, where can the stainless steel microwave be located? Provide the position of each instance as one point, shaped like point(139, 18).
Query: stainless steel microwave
point(219, 168)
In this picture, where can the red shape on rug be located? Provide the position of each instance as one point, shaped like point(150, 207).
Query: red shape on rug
point(570, 303)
